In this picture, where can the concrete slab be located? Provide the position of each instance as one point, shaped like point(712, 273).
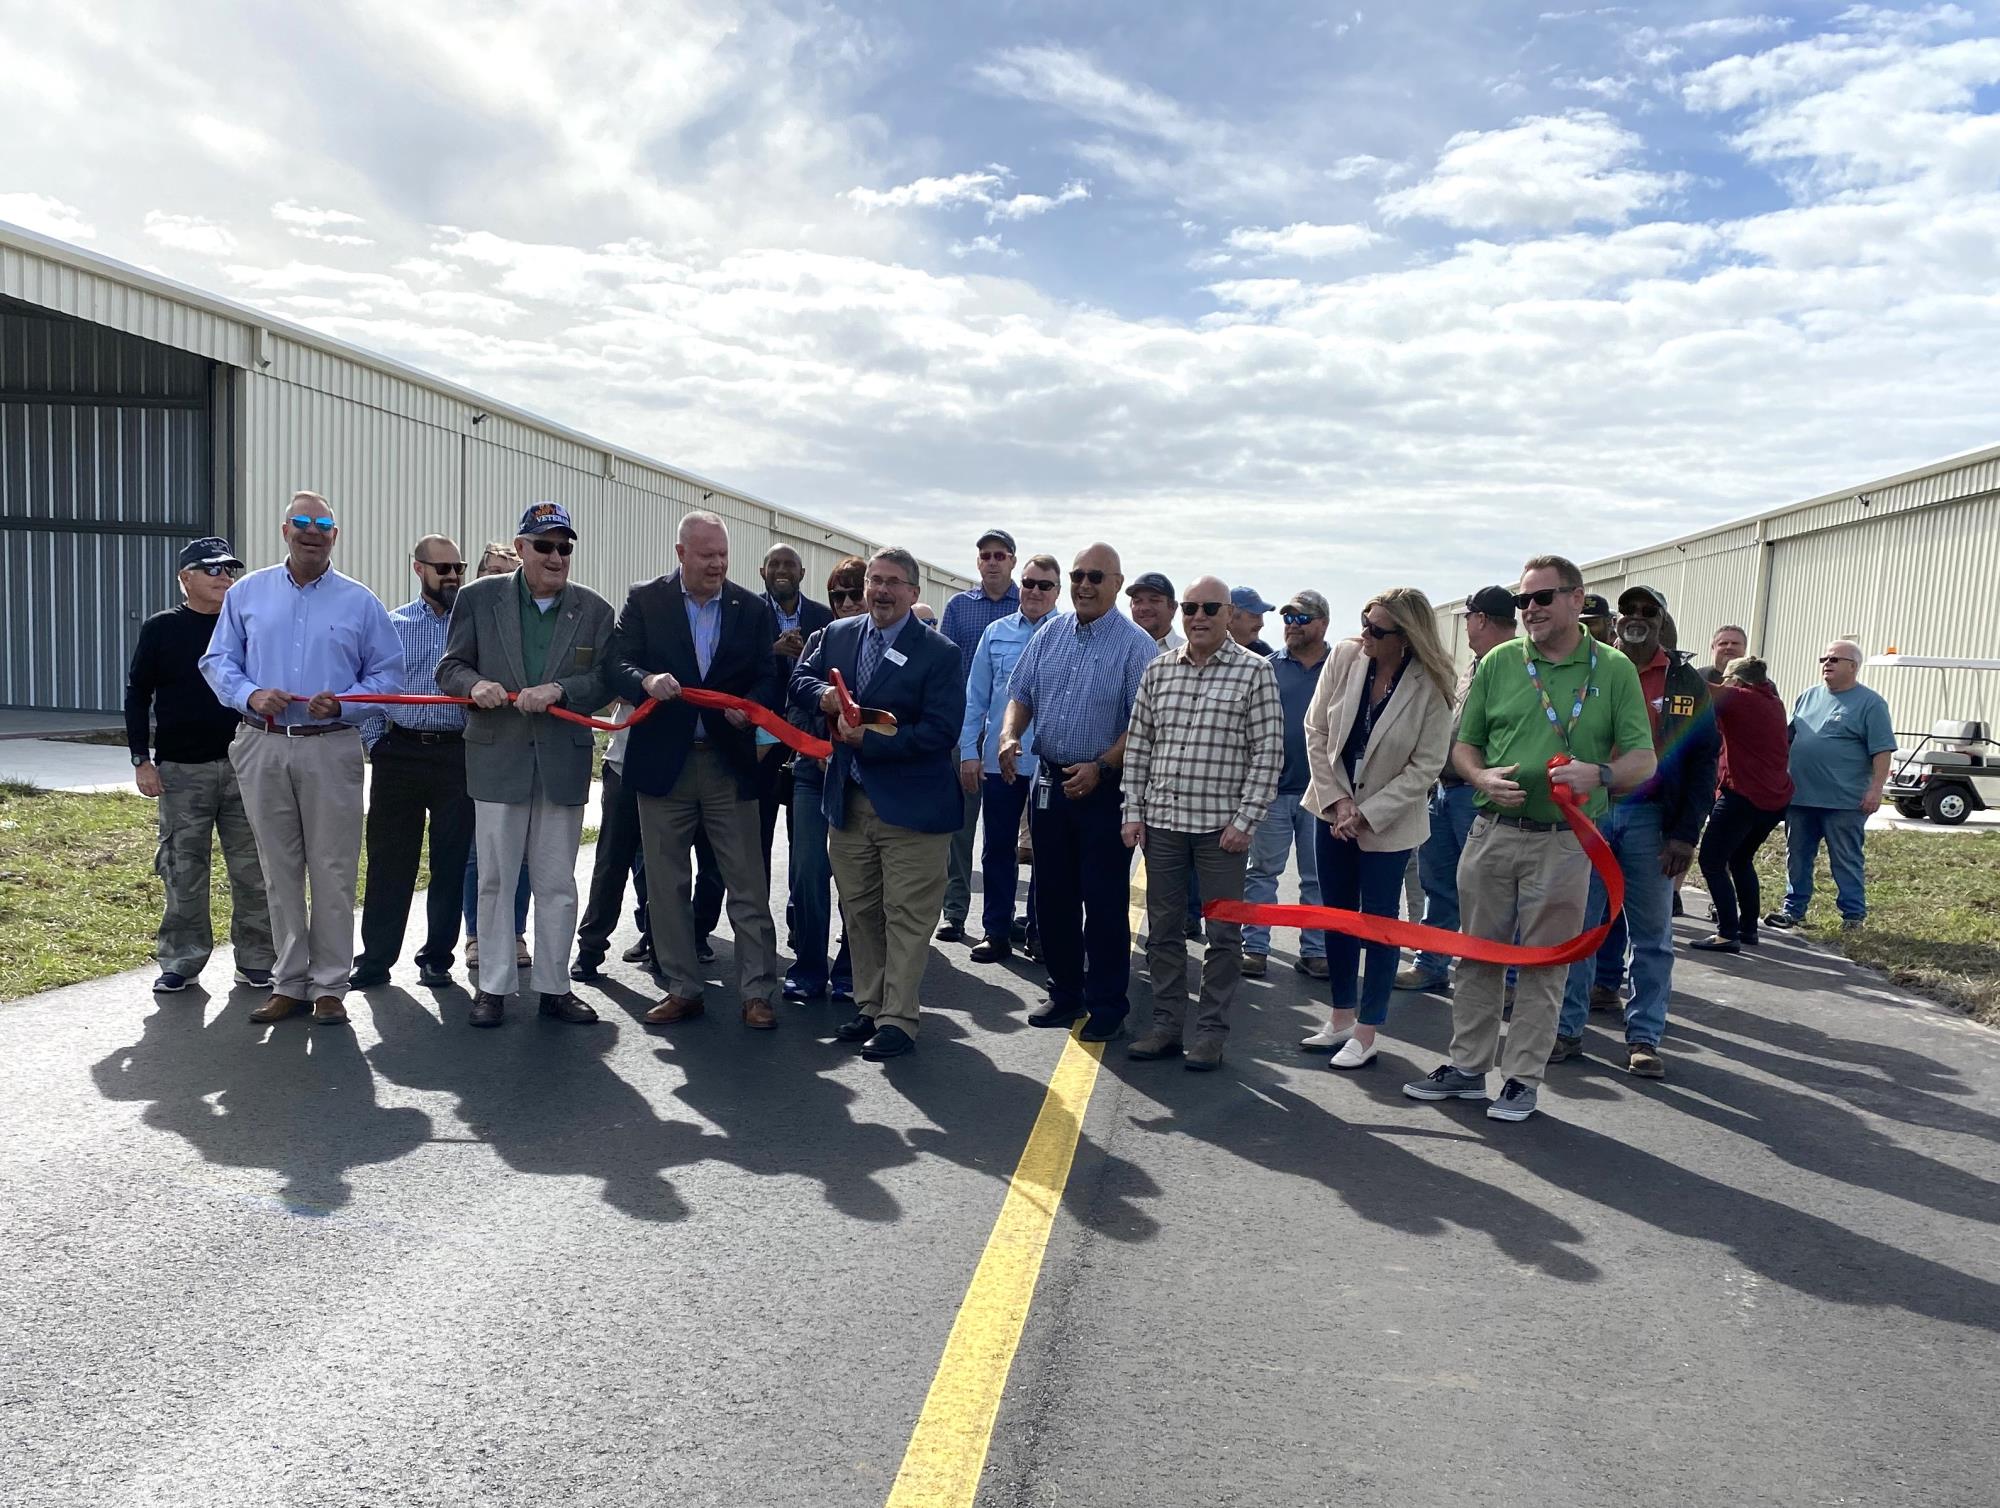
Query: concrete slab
point(59, 765)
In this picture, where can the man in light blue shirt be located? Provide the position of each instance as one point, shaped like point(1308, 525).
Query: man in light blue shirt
point(993, 660)
point(1289, 825)
point(301, 628)
point(1841, 743)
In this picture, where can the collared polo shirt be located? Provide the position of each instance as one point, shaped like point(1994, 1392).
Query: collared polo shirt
point(538, 631)
point(1079, 680)
point(1296, 681)
point(1504, 717)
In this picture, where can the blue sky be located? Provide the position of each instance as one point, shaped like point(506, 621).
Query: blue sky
point(1328, 296)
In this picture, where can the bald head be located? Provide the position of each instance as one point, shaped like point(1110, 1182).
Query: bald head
point(1208, 626)
point(1092, 599)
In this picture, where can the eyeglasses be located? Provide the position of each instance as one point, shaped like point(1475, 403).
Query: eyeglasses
point(996, 554)
point(562, 547)
point(309, 521)
point(837, 595)
point(1205, 609)
point(1836, 659)
point(1377, 633)
point(1030, 584)
point(1298, 620)
point(1095, 578)
point(1548, 594)
point(231, 571)
point(1643, 608)
point(444, 567)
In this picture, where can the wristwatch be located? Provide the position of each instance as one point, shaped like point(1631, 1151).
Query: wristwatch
point(1604, 774)
point(139, 759)
point(1104, 770)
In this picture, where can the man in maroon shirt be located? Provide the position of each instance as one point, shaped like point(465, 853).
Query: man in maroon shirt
point(1756, 789)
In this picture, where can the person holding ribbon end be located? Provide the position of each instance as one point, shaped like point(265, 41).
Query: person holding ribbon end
point(1553, 692)
point(300, 629)
point(537, 634)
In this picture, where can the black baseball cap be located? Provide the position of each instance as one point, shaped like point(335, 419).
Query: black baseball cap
point(1493, 601)
point(213, 550)
point(1645, 591)
point(1150, 581)
point(1000, 534)
point(1594, 606)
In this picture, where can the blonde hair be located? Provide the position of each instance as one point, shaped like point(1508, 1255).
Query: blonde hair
point(1411, 611)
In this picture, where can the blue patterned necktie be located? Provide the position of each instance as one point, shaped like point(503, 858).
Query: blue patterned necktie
point(871, 658)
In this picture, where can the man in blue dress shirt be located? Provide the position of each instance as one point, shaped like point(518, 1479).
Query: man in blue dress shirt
point(299, 628)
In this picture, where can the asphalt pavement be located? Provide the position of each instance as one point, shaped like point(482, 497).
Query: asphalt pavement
point(411, 1263)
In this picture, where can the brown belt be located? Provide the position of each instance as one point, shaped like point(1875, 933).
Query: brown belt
point(293, 730)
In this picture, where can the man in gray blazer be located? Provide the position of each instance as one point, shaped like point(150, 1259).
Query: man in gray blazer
point(536, 633)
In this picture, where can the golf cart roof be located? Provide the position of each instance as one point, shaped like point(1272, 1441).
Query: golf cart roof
point(1932, 662)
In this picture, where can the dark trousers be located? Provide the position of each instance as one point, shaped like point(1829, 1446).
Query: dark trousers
point(1736, 830)
point(414, 781)
point(1000, 857)
point(617, 849)
point(1353, 878)
point(1083, 881)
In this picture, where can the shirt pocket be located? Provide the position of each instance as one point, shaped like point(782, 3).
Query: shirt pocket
point(584, 658)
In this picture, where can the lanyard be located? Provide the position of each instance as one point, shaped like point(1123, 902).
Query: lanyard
point(1576, 712)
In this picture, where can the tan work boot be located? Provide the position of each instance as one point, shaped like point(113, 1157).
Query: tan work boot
point(1205, 1054)
point(674, 1008)
point(758, 1015)
point(1157, 1042)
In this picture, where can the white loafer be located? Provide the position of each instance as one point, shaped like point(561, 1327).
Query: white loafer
point(1353, 1055)
point(1326, 1039)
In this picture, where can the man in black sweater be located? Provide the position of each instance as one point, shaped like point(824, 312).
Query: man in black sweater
point(184, 765)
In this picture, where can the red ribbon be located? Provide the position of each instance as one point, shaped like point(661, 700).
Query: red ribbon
point(1416, 936)
point(696, 696)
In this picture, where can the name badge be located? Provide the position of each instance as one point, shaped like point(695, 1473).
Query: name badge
point(895, 657)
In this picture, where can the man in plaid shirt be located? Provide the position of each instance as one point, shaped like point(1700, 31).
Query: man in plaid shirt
point(1202, 757)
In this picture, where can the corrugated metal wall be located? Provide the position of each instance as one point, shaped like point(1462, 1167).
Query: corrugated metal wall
point(105, 468)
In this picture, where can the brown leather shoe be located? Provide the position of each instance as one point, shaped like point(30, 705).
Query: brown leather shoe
point(328, 1011)
point(277, 1008)
point(758, 1015)
point(674, 1008)
point(566, 1007)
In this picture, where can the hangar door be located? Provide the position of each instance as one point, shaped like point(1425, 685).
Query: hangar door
point(106, 468)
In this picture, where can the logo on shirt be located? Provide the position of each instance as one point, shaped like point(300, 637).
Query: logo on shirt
point(1680, 706)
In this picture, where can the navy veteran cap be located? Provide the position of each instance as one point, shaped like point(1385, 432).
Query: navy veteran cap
point(214, 550)
point(545, 518)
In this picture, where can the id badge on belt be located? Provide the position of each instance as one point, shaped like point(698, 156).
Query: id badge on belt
point(1042, 784)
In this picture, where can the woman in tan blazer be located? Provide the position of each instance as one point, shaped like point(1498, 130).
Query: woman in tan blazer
point(1377, 733)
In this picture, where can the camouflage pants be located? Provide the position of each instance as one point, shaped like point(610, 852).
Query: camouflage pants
point(197, 801)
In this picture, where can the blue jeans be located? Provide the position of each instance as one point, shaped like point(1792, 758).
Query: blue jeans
point(1610, 958)
point(1840, 828)
point(1633, 831)
point(812, 897)
point(1286, 827)
point(472, 897)
point(1353, 879)
point(1451, 812)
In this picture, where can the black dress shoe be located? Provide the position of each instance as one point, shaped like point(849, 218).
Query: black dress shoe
point(1102, 1028)
point(951, 932)
point(992, 950)
point(368, 979)
point(486, 1009)
point(639, 952)
point(860, 1029)
point(433, 976)
point(704, 951)
point(586, 967)
point(889, 1042)
point(798, 994)
point(1055, 1016)
point(566, 1007)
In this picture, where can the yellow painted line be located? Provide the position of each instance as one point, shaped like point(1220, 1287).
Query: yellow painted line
point(947, 1451)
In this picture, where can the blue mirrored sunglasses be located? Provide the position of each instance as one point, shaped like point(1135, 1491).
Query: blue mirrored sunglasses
point(307, 521)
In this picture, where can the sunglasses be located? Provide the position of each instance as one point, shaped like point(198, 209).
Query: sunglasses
point(562, 547)
point(1030, 584)
point(1548, 594)
point(309, 521)
point(446, 568)
point(1205, 609)
point(1095, 578)
point(1377, 633)
point(1836, 659)
point(1646, 608)
point(232, 572)
point(995, 555)
point(1298, 620)
point(837, 595)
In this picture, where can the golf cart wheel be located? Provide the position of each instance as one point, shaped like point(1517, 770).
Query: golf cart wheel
point(1913, 809)
point(1946, 804)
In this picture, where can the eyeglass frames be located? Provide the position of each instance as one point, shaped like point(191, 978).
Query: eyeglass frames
point(310, 521)
point(1095, 578)
point(996, 554)
point(1377, 633)
point(839, 594)
point(1033, 584)
point(1298, 620)
point(1525, 600)
point(232, 572)
point(1836, 659)
point(1205, 609)
point(444, 568)
point(562, 547)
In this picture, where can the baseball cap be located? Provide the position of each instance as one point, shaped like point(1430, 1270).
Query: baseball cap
point(1000, 534)
point(1494, 601)
point(545, 518)
point(1309, 603)
point(213, 550)
point(1150, 581)
point(1645, 591)
point(1594, 606)
point(1246, 599)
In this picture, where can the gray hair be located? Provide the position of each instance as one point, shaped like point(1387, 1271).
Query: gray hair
point(699, 516)
point(902, 559)
point(314, 496)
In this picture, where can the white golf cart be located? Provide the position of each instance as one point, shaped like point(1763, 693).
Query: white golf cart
point(1952, 771)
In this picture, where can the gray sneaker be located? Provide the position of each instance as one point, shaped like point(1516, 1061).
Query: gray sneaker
point(1447, 1083)
point(1516, 1102)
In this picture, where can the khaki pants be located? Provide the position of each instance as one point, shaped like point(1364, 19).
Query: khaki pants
point(304, 800)
point(891, 880)
point(545, 836)
point(199, 803)
point(1508, 879)
point(705, 798)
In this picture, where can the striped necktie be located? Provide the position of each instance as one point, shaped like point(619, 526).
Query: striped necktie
point(871, 657)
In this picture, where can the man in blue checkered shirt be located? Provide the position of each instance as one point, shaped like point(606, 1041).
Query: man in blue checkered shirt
point(966, 617)
point(418, 754)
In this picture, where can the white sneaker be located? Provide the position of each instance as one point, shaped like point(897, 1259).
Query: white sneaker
point(1326, 1039)
point(1353, 1055)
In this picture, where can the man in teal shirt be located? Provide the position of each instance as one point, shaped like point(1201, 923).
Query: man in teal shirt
point(1841, 743)
point(1523, 875)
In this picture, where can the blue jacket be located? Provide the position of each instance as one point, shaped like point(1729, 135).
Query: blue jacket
point(986, 694)
point(911, 777)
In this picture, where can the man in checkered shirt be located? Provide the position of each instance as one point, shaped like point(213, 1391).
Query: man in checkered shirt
point(1202, 757)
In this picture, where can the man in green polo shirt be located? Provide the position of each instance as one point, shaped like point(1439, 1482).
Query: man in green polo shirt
point(1524, 875)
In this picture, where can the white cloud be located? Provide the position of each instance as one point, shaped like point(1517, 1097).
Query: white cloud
point(47, 215)
point(229, 140)
point(310, 223)
point(931, 193)
point(1303, 240)
point(1022, 206)
point(1360, 165)
point(989, 245)
point(1541, 173)
point(1070, 81)
point(190, 233)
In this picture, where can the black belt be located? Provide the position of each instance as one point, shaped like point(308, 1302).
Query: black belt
point(427, 736)
point(1527, 824)
point(293, 730)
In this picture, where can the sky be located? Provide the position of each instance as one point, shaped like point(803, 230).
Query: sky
point(1327, 296)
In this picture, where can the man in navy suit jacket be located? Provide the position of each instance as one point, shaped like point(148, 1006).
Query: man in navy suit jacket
point(698, 770)
point(798, 616)
point(892, 802)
